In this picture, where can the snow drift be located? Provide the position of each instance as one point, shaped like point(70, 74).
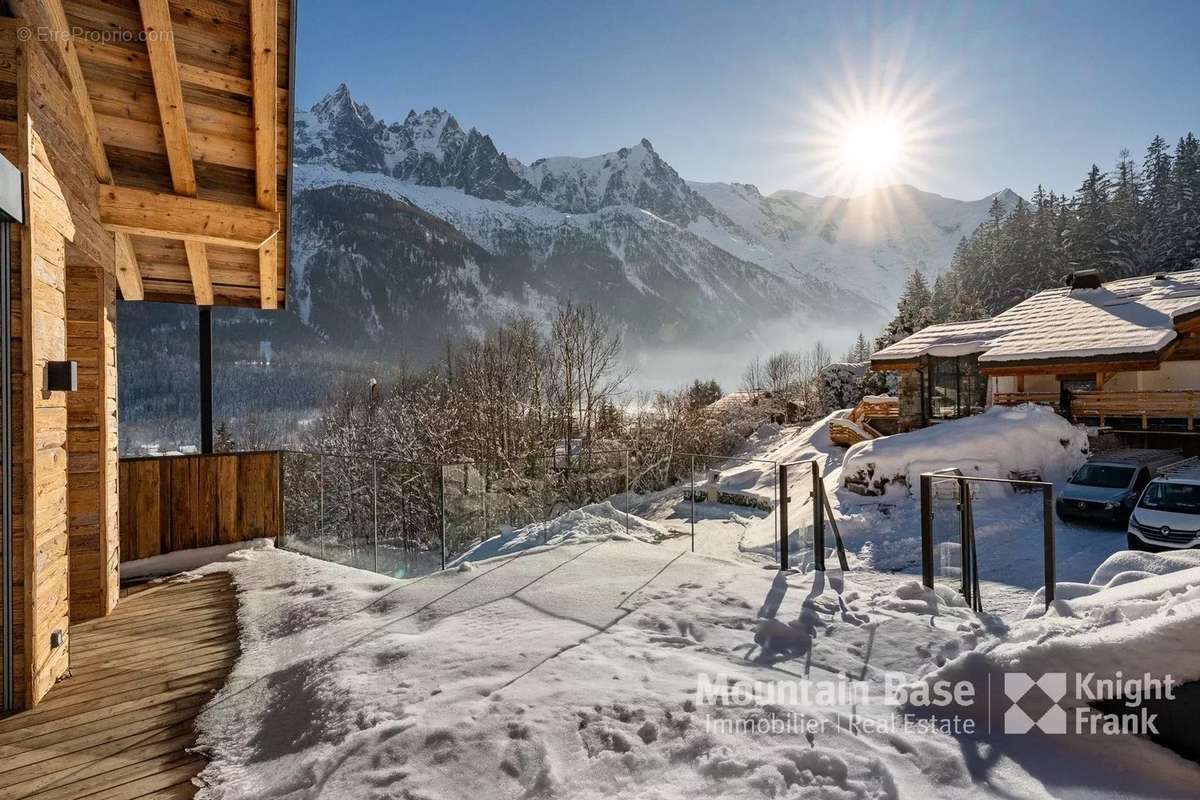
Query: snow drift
point(1024, 441)
point(597, 522)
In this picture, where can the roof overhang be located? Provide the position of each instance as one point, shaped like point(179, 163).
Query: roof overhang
point(189, 134)
point(1124, 362)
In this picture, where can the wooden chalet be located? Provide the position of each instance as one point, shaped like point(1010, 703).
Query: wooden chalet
point(1122, 355)
point(147, 146)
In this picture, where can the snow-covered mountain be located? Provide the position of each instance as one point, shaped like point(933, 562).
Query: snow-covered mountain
point(406, 232)
point(870, 242)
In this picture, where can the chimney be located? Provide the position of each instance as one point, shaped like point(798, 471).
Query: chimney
point(1084, 279)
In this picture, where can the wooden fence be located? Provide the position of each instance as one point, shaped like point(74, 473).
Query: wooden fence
point(173, 503)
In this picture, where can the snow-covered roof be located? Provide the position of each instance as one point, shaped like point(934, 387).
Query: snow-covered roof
point(1130, 318)
point(947, 339)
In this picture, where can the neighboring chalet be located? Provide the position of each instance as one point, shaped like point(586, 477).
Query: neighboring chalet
point(1122, 355)
point(150, 144)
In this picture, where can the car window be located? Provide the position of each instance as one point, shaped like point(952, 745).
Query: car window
point(1182, 498)
point(1108, 476)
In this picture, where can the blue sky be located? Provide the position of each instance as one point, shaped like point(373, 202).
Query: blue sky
point(999, 94)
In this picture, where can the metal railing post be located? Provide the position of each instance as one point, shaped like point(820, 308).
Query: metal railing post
point(442, 509)
point(964, 542)
point(628, 494)
point(692, 495)
point(965, 557)
point(837, 535)
point(818, 506)
point(375, 509)
point(927, 531)
point(782, 488)
point(1048, 540)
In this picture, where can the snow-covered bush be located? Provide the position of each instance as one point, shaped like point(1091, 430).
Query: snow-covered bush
point(841, 384)
point(844, 384)
point(1025, 441)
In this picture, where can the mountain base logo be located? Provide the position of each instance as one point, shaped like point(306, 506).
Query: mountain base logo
point(1053, 703)
point(1042, 703)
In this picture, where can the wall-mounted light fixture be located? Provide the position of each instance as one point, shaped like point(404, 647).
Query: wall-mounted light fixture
point(62, 376)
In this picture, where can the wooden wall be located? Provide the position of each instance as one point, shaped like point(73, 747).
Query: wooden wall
point(92, 440)
point(180, 502)
point(41, 132)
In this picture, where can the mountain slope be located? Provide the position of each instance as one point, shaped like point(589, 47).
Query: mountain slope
point(409, 232)
point(870, 242)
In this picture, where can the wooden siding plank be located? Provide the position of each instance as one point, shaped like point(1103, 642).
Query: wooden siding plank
point(180, 502)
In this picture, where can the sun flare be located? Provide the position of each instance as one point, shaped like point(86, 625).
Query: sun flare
point(873, 150)
point(873, 123)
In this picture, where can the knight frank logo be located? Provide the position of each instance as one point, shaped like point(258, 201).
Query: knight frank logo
point(1041, 697)
point(1083, 703)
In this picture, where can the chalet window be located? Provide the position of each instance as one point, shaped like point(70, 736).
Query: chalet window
point(955, 388)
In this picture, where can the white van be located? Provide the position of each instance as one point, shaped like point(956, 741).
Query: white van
point(1167, 515)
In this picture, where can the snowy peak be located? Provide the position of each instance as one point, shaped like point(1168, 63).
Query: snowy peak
point(428, 149)
point(435, 132)
point(340, 105)
point(634, 176)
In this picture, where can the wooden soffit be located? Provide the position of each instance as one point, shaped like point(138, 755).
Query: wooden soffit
point(186, 109)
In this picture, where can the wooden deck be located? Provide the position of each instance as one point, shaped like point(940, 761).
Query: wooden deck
point(118, 726)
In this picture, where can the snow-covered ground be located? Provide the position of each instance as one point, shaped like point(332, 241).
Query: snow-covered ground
point(596, 656)
point(881, 534)
point(590, 670)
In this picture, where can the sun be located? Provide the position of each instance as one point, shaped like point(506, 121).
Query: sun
point(871, 122)
point(873, 150)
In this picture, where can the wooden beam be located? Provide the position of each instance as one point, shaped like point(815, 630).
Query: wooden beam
point(1072, 371)
point(894, 366)
point(264, 77)
point(115, 56)
point(197, 257)
point(168, 90)
point(268, 273)
point(146, 213)
point(61, 34)
point(129, 277)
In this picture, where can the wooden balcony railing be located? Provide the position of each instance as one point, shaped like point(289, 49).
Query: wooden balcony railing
point(1143, 406)
point(173, 503)
point(1180, 404)
point(1017, 398)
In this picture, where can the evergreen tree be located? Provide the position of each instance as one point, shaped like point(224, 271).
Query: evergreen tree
point(703, 393)
point(1156, 227)
point(1090, 230)
point(859, 351)
point(1126, 205)
point(1134, 221)
point(913, 312)
point(1185, 206)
